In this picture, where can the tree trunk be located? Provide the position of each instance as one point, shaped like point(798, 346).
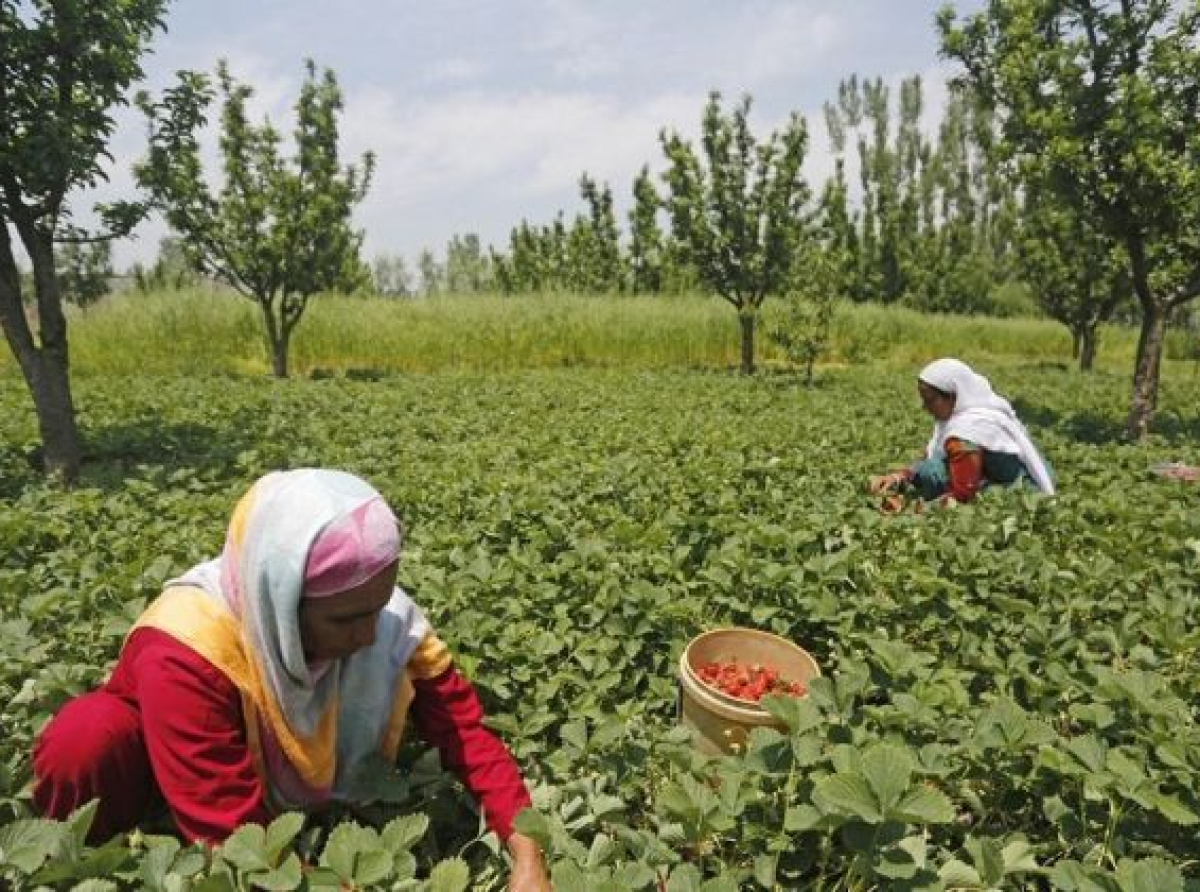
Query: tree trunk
point(279, 356)
point(46, 368)
point(1087, 347)
point(277, 336)
point(1076, 342)
point(747, 323)
point(1146, 369)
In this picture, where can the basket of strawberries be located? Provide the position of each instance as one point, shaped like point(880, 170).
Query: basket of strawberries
point(725, 673)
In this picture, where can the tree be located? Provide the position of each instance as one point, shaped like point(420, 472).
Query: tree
point(390, 276)
point(468, 270)
point(84, 271)
point(1079, 277)
point(172, 271)
point(278, 233)
point(595, 259)
point(737, 215)
point(432, 276)
point(64, 67)
point(1098, 103)
point(816, 283)
point(646, 247)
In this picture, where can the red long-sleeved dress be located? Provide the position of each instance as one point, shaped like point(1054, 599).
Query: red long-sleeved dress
point(168, 727)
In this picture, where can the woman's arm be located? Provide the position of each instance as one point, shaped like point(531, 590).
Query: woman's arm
point(448, 716)
point(964, 465)
point(195, 736)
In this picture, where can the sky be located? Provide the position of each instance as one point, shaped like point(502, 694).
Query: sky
point(483, 114)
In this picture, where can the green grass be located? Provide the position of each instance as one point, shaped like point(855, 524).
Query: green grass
point(212, 333)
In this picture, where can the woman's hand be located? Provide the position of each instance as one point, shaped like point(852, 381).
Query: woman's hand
point(528, 870)
point(887, 482)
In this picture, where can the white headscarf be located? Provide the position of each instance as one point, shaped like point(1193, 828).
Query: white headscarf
point(983, 417)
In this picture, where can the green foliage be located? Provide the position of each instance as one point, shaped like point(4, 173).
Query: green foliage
point(277, 232)
point(84, 271)
point(646, 242)
point(172, 271)
point(65, 67)
point(738, 213)
point(1080, 276)
point(390, 276)
point(585, 257)
point(467, 268)
point(1009, 687)
point(1097, 104)
point(817, 282)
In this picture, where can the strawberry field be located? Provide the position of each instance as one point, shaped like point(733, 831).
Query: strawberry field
point(1011, 688)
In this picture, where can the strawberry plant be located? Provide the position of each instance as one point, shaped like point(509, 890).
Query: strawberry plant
point(1009, 695)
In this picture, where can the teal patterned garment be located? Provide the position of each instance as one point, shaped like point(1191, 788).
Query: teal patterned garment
point(931, 476)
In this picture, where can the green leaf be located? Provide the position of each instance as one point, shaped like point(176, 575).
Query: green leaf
point(80, 822)
point(451, 875)
point(1149, 875)
point(568, 877)
point(685, 878)
point(534, 825)
point(888, 770)
point(606, 807)
point(1171, 808)
point(341, 850)
point(246, 848)
point(25, 844)
point(1072, 876)
point(924, 805)
point(800, 818)
point(722, 883)
point(764, 870)
point(1018, 857)
point(798, 714)
point(988, 859)
point(955, 873)
point(404, 832)
point(848, 795)
point(372, 866)
point(575, 733)
point(1090, 751)
point(284, 877)
point(282, 831)
point(157, 862)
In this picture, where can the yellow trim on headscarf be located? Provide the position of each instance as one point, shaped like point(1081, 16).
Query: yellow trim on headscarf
point(430, 659)
point(204, 625)
point(394, 732)
point(236, 534)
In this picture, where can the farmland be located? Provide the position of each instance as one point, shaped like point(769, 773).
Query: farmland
point(1012, 690)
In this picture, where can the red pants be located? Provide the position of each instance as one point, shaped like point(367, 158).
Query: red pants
point(93, 748)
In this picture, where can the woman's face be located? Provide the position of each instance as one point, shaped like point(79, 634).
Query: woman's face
point(338, 626)
point(939, 405)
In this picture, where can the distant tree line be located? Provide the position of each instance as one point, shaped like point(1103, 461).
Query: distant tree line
point(1062, 173)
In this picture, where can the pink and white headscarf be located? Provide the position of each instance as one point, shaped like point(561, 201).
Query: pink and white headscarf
point(313, 533)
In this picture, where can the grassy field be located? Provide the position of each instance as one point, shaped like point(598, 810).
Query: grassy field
point(220, 334)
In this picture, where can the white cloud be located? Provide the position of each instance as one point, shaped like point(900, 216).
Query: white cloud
point(483, 114)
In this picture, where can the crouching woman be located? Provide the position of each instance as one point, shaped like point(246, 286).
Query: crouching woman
point(262, 681)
